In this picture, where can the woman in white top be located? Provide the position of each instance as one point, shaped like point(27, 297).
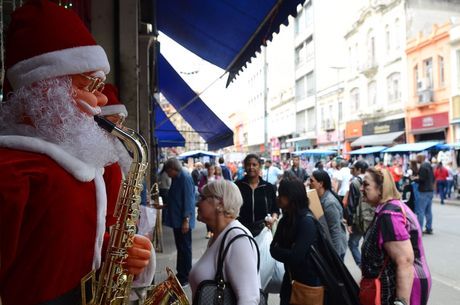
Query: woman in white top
point(218, 207)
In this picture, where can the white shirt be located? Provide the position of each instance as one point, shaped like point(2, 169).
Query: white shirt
point(344, 177)
point(271, 174)
point(240, 266)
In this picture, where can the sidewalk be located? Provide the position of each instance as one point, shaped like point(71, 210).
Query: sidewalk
point(168, 257)
point(451, 201)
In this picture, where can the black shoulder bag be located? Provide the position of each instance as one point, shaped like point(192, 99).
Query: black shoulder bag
point(340, 287)
point(217, 291)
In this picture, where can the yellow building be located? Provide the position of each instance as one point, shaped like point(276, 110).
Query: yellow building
point(429, 86)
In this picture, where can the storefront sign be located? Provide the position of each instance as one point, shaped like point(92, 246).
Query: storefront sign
point(383, 127)
point(437, 120)
point(353, 129)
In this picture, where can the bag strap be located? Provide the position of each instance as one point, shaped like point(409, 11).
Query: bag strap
point(223, 251)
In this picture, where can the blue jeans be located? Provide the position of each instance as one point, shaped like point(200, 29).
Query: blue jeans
point(450, 184)
point(353, 244)
point(441, 187)
point(423, 209)
point(184, 254)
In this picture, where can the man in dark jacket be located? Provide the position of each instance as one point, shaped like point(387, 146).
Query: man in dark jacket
point(358, 214)
point(298, 171)
point(423, 206)
point(225, 170)
point(180, 215)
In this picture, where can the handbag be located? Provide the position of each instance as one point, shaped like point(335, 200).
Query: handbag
point(217, 291)
point(370, 289)
point(302, 294)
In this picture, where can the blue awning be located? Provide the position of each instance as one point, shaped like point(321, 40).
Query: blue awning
point(315, 152)
point(192, 108)
point(225, 33)
point(197, 154)
point(411, 147)
point(167, 134)
point(368, 150)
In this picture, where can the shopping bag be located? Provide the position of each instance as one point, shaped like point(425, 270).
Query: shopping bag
point(274, 286)
point(267, 263)
point(147, 221)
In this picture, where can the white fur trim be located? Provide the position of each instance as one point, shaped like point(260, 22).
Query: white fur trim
point(101, 199)
point(58, 63)
point(79, 170)
point(114, 109)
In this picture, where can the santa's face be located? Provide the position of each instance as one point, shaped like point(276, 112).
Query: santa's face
point(88, 100)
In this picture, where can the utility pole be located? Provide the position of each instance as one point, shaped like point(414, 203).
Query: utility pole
point(265, 68)
point(339, 146)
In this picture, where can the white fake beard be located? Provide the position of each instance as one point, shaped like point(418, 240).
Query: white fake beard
point(52, 109)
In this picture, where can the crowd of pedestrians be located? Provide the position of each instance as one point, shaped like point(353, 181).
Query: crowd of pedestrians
point(383, 206)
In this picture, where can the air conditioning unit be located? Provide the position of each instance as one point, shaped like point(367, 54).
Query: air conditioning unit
point(330, 125)
point(425, 96)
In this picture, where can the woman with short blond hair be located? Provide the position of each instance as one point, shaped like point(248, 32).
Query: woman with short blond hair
point(218, 207)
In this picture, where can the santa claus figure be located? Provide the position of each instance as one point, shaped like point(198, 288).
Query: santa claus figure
point(59, 171)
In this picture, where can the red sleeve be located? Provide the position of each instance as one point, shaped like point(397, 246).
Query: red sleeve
point(14, 193)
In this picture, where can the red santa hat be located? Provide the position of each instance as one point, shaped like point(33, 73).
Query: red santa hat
point(113, 106)
point(44, 41)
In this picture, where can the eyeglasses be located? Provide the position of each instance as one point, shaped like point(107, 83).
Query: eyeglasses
point(97, 84)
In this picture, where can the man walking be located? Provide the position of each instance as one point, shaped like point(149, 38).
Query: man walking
point(425, 181)
point(180, 215)
point(225, 170)
point(297, 171)
point(359, 214)
point(271, 174)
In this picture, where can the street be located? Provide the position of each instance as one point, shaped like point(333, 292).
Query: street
point(442, 250)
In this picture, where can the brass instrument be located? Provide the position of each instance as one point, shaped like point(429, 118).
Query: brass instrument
point(168, 292)
point(114, 282)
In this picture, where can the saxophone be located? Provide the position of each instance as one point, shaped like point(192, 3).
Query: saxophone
point(113, 285)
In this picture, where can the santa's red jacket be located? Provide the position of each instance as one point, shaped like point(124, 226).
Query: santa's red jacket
point(49, 202)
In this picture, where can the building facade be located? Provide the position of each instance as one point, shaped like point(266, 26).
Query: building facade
point(429, 86)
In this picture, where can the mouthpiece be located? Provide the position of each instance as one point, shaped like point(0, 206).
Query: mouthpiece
point(104, 123)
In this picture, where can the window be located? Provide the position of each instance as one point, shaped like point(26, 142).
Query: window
point(311, 86)
point(299, 21)
point(458, 68)
point(370, 49)
point(393, 89)
point(354, 99)
point(356, 57)
point(417, 83)
point(372, 93)
point(300, 92)
point(310, 50)
point(397, 32)
point(323, 119)
point(300, 55)
point(300, 122)
point(308, 14)
point(340, 111)
point(311, 119)
point(427, 82)
point(387, 39)
point(441, 71)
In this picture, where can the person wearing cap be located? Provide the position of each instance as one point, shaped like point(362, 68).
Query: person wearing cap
point(59, 171)
point(358, 214)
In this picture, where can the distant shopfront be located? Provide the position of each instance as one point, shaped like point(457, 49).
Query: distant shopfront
point(381, 133)
point(433, 127)
point(353, 130)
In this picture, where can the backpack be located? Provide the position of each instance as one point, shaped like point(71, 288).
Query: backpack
point(364, 213)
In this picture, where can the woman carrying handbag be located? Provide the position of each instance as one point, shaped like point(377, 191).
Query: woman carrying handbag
point(291, 244)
